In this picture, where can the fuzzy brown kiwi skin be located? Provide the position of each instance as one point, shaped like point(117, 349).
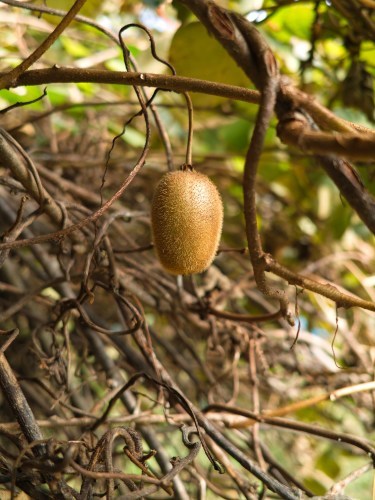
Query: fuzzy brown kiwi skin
point(187, 219)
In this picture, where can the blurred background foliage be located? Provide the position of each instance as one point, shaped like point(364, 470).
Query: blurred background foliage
point(303, 220)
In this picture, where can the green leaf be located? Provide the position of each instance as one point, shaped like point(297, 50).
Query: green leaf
point(183, 13)
point(22, 94)
point(195, 54)
point(235, 136)
point(295, 20)
point(340, 220)
point(73, 47)
point(133, 137)
point(315, 486)
point(89, 9)
point(328, 463)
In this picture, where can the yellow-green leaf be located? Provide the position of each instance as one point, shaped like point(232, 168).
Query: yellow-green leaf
point(195, 54)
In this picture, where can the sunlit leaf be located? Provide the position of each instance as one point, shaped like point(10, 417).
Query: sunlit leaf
point(295, 20)
point(191, 49)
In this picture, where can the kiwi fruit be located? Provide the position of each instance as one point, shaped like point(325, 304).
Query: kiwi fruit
point(187, 219)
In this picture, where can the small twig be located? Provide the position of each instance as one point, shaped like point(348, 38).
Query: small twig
point(353, 476)
point(333, 341)
point(298, 426)
point(10, 336)
point(296, 314)
point(23, 169)
point(19, 405)
point(159, 124)
point(326, 289)
point(189, 143)
point(243, 484)
point(352, 145)
point(63, 233)
point(274, 485)
point(96, 474)
point(254, 382)
point(23, 103)
point(245, 318)
point(273, 464)
point(178, 465)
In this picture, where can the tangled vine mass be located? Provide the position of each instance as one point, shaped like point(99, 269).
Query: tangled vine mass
point(254, 379)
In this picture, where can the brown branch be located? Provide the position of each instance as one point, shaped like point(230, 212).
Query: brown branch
point(350, 186)
point(245, 318)
point(224, 443)
point(329, 396)
point(7, 79)
point(16, 159)
point(146, 417)
point(325, 289)
point(95, 474)
point(297, 132)
point(339, 487)
point(322, 116)
point(178, 84)
point(356, 16)
point(19, 405)
point(294, 126)
point(363, 444)
point(270, 79)
point(219, 24)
